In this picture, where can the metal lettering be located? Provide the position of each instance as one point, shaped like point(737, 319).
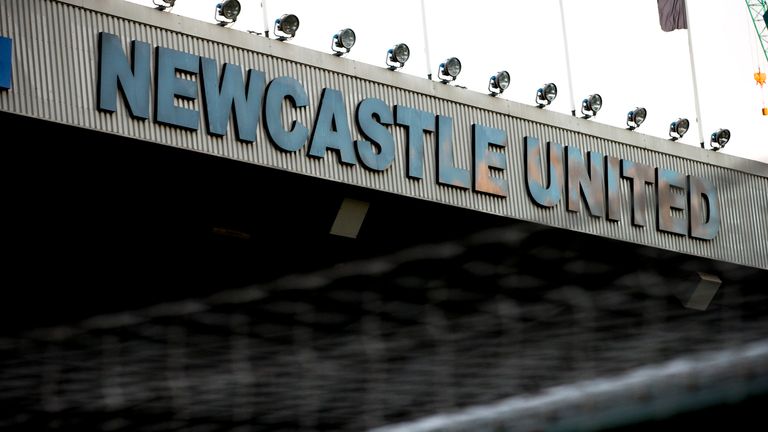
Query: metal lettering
point(279, 89)
point(169, 86)
point(417, 122)
point(612, 188)
point(670, 201)
point(484, 140)
point(115, 71)
point(332, 128)
point(447, 172)
point(222, 98)
point(6, 63)
point(545, 193)
point(683, 204)
point(704, 208)
point(377, 151)
point(580, 183)
point(640, 174)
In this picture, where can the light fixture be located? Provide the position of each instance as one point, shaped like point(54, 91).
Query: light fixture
point(343, 41)
point(397, 56)
point(164, 4)
point(287, 26)
point(449, 70)
point(636, 117)
point(719, 139)
point(678, 128)
point(591, 105)
point(498, 83)
point(227, 12)
point(546, 94)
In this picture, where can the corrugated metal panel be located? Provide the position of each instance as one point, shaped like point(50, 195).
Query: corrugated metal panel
point(56, 62)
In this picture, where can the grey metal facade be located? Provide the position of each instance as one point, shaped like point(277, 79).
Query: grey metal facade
point(55, 74)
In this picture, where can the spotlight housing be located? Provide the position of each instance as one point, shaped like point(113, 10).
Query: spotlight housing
point(227, 12)
point(546, 94)
point(636, 117)
point(498, 83)
point(286, 27)
point(343, 41)
point(449, 70)
point(591, 105)
point(678, 128)
point(397, 56)
point(164, 4)
point(719, 139)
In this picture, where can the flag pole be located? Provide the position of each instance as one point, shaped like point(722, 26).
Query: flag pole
point(567, 60)
point(264, 16)
point(693, 76)
point(426, 39)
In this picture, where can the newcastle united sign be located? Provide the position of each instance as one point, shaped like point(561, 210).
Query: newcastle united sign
point(686, 205)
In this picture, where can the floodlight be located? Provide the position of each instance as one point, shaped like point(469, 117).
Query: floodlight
point(546, 94)
point(164, 4)
point(343, 41)
point(591, 105)
point(227, 12)
point(498, 83)
point(678, 128)
point(397, 56)
point(636, 117)
point(449, 70)
point(287, 25)
point(719, 139)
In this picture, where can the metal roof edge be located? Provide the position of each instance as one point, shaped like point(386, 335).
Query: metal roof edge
point(213, 32)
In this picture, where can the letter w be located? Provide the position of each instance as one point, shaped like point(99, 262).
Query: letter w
point(221, 98)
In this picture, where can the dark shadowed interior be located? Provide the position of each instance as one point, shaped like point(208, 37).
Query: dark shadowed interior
point(151, 288)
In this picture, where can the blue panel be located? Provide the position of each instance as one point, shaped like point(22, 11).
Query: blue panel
point(114, 70)
point(6, 62)
point(545, 193)
point(447, 172)
point(486, 161)
point(640, 174)
point(279, 89)
point(704, 208)
point(169, 86)
point(583, 182)
point(612, 188)
point(379, 151)
point(222, 98)
point(417, 122)
point(332, 128)
point(671, 201)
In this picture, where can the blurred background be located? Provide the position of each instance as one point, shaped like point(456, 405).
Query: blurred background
point(172, 290)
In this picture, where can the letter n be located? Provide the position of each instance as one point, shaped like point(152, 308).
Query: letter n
point(115, 71)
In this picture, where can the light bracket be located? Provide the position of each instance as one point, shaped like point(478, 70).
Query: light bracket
point(546, 94)
point(286, 27)
point(498, 83)
point(343, 41)
point(397, 56)
point(227, 12)
point(636, 117)
point(591, 105)
point(719, 139)
point(164, 4)
point(678, 128)
point(449, 70)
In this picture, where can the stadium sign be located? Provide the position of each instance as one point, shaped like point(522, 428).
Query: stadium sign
point(685, 204)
